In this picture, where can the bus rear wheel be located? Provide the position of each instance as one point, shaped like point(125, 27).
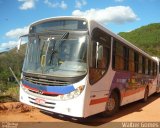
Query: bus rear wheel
point(112, 105)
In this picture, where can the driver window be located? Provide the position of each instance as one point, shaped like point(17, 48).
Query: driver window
point(100, 55)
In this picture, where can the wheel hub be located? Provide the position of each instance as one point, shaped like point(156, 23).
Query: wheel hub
point(110, 104)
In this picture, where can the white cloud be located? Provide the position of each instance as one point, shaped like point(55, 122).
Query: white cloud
point(116, 14)
point(61, 4)
point(119, 0)
point(80, 3)
point(15, 33)
point(51, 4)
point(27, 4)
point(8, 46)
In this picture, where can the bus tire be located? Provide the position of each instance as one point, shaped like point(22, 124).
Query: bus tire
point(146, 93)
point(112, 105)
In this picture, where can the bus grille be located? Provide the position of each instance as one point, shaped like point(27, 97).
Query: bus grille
point(44, 81)
point(46, 105)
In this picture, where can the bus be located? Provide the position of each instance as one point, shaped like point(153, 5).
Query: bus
point(75, 67)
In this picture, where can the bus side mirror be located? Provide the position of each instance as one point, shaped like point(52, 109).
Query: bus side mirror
point(19, 43)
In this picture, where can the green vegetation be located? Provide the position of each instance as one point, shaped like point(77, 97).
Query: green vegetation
point(9, 92)
point(147, 38)
point(8, 86)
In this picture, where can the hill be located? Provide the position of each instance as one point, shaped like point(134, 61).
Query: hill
point(146, 37)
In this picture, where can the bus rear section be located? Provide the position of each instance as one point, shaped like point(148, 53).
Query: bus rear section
point(119, 72)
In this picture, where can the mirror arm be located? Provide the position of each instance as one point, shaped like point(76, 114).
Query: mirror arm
point(19, 44)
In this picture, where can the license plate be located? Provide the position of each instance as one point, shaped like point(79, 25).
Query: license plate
point(40, 101)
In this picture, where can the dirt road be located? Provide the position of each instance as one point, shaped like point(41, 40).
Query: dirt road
point(134, 112)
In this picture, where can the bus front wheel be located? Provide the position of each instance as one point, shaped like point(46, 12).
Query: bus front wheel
point(112, 105)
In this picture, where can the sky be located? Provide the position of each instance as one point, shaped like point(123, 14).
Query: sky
point(116, 15)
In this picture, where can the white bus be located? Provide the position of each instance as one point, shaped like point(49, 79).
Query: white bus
point(76, 67)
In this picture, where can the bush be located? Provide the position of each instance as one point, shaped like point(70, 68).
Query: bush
point(9, 92)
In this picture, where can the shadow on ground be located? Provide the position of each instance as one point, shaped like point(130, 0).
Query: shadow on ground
point(98, 120)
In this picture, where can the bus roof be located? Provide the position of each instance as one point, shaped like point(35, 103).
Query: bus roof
point(59, 18)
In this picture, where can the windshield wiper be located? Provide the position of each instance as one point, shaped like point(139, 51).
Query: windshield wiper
point(65, 35)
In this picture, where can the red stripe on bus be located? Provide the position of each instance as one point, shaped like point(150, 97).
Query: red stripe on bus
point(43, 92)
point(51, 93)
point(125, 94)
point(98, 101)
point(131, 92)
point(33, 89)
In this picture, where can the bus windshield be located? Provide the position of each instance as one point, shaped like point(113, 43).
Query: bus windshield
point(56, 55)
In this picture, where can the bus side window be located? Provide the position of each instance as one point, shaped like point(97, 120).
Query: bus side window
point(117, 56)
point(151, 72)
point(140, 64)
point(136, 62)
point(159, 67)
point(149, 67)
point(154, 69)
point(131, 60)
point(143, 64)
point(126, 58)
point(100, 55)
point(146, 67)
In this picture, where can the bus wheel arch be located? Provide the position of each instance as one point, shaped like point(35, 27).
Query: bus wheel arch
point(113, 103)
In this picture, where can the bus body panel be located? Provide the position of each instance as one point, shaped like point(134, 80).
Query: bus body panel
point(71, 107)
point(99, 93)
point(93, 98)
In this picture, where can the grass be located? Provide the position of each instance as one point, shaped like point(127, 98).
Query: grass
point(9, 92)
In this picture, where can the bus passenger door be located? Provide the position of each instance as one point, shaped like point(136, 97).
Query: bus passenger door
point(99, 64)
point(100, 55)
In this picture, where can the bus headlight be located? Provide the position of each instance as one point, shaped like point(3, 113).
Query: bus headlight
point(24, 89)
point(73, 94)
